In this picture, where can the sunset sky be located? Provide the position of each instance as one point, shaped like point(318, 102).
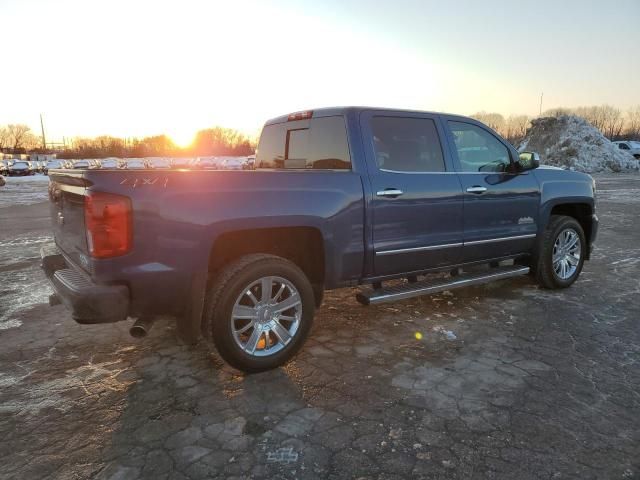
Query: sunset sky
point(136, 68)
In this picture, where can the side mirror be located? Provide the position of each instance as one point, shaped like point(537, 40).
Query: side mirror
point(528, 161)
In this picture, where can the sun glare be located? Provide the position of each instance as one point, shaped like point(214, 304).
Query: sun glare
point(182, 139)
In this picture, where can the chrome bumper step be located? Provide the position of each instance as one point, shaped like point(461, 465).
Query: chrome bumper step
point(430, 286)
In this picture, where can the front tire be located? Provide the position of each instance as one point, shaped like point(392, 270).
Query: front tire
point(259, 312)
point(561, 252)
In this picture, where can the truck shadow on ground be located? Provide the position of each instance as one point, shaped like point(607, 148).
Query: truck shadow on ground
point(364, 396)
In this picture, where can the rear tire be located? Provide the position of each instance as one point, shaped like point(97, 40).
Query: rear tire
point(561, 253)
point(247, 328)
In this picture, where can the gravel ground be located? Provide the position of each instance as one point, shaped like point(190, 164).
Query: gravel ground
point(508, 381)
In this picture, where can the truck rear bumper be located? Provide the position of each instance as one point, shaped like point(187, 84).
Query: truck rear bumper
point(89, 302)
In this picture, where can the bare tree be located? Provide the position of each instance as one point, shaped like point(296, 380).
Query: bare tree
point(613, 122)
point(632, 123)
point(492, 120)
point(20, 136)
point(5, 137)
point(516, 127)
point(221, 141)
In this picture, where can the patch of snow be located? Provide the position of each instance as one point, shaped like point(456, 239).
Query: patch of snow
point(622, 195)
point(24, 191)
point(448, 334)
point(91, 378)
point(22, 284)
point(573, 143)
point(27, 179)
point(13, 323)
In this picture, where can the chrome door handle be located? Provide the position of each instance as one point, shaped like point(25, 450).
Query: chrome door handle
point(390, 192)
point(477, 189)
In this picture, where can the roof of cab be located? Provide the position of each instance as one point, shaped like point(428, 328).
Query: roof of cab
point(332, 111)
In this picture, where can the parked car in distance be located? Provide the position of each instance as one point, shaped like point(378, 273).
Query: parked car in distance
point(86, 163)
point(20, 168)
point(208, 163)
point(135, 163)
point(33, 166)
point(184, 162)
point(110, 163)
point(339, 197)
point(233, 163)
point(159, 162)
point(630, 146)
point(4, 167)
point(52, 164)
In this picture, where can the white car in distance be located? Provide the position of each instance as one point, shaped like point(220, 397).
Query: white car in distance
point(629, 146)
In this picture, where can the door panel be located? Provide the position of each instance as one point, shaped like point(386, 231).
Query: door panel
point(508, 208)
point(500, 206)
point(417, 198)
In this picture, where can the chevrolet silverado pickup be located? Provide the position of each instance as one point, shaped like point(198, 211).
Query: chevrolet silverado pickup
point(337, 197)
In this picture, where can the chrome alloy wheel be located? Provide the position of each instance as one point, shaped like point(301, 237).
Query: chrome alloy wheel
point(566, 253)
point(266, 316)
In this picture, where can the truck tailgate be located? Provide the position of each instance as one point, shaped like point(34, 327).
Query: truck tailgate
point(66, 195)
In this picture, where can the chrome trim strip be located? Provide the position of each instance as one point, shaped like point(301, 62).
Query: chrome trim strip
point(446, 173)
point(415, 173)
point(502, 239)
point(451, 245)
point(419, 249)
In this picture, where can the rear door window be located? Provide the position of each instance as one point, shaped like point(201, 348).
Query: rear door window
point(404, 144)
point(317, 144)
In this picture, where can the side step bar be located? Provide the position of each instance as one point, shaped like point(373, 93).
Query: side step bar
point(427, 287)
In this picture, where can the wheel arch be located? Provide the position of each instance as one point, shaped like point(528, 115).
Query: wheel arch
point(303, 246)
point(581, 211)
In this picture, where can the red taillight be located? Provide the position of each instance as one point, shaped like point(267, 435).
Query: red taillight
point(300, 115)
point(107, 218)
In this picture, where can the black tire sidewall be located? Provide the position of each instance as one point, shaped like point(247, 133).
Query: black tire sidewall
point(221, 322)
point(563, 224)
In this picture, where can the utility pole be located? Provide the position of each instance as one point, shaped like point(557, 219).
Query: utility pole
point(541, 95)
point(44, 141)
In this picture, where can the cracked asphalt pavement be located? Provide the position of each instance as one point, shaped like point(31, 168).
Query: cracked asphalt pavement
point(507, 381)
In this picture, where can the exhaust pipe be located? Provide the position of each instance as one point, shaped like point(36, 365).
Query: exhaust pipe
point(141, 327)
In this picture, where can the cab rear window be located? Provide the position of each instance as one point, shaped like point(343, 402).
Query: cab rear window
point(315, 144)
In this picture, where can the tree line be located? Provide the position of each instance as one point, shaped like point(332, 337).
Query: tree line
point(219, 141)
point(612, 122)
point(18, 138)
point(216, 141)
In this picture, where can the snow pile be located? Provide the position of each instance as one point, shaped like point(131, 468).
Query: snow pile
point(571, 142)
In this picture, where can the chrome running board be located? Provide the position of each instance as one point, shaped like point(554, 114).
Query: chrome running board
point(427, 287)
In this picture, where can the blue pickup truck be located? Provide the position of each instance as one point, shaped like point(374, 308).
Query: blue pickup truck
point(337, 197)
